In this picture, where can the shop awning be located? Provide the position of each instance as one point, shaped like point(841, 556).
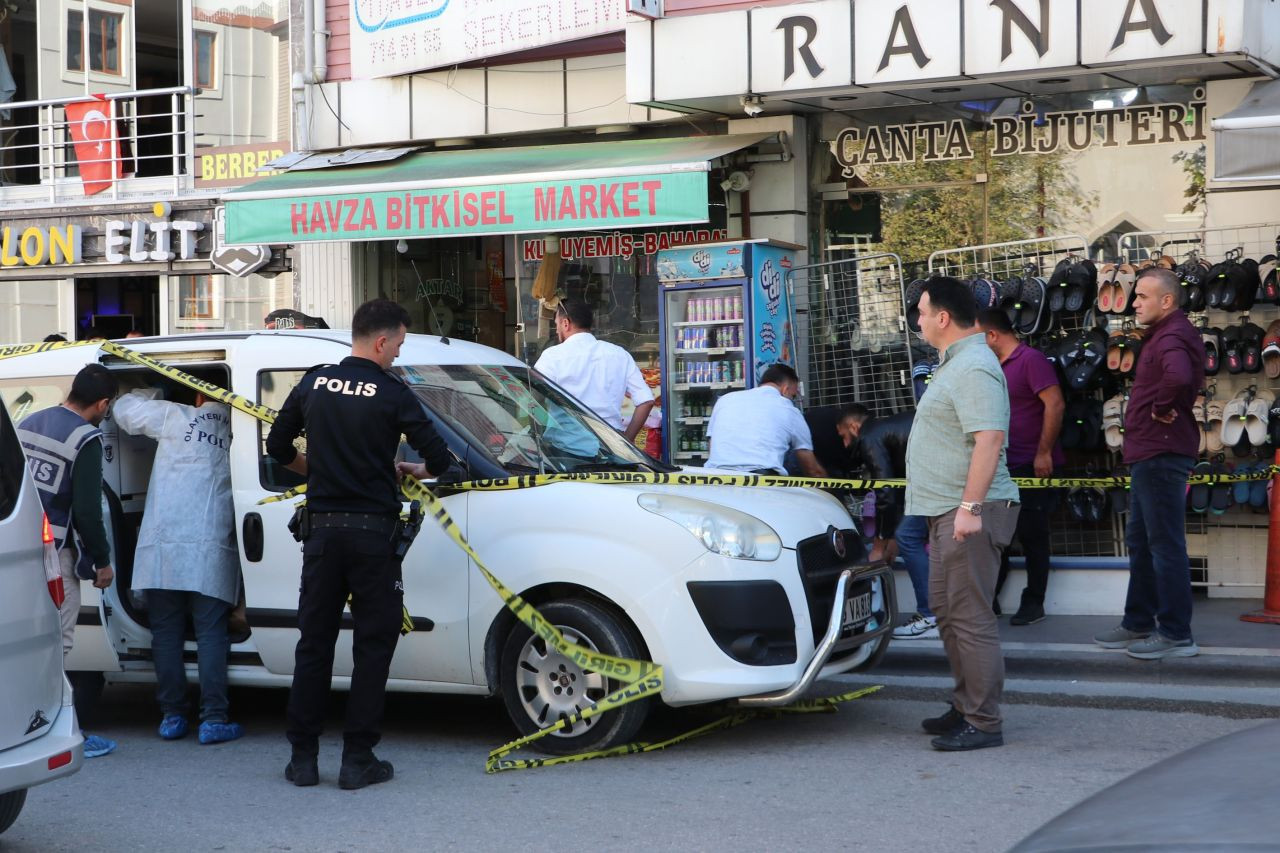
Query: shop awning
point(544, 188)
point(1246, 141)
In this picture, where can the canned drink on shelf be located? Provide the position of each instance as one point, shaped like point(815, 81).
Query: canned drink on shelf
point(736, 309)
point(717, 308)
point(737, 371)
point(702, 309)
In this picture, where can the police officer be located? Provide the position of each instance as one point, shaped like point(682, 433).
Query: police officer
point(353, 414)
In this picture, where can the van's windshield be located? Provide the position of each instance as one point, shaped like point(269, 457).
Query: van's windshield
point(521, 421)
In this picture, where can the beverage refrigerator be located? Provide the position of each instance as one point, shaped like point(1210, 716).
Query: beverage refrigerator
point(725, 316)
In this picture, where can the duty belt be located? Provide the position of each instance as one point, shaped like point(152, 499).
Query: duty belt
point(377, 522)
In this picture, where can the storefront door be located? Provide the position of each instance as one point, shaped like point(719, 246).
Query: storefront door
point(113, 306)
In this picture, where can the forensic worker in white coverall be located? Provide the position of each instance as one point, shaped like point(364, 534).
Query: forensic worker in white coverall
point(186, 561)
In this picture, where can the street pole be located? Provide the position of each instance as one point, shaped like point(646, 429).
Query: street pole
point(1270, 611)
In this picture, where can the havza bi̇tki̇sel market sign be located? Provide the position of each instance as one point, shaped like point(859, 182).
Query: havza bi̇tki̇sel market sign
point(1028, 133)
point(571, 205)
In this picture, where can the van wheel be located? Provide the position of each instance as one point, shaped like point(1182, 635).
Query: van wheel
point(540, 686)
point(86, 688)
point(11, 807)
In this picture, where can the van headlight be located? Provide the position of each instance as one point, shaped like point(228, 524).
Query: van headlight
point(720, 529)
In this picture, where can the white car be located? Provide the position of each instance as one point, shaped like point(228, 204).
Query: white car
point(39, 737)
point(733, 590)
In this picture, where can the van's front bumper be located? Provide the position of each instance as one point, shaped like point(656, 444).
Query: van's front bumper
point(879, 578)
point(28, 764)
point(696, 642)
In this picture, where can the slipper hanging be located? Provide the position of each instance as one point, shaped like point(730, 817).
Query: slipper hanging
point(1213, 351)
point(1082, 285)
point(1220, 493)
point(1251, 336)
point(1106, 283)
point(1199, 494)
point(1214, 415)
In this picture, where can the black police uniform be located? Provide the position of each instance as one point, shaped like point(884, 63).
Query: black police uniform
point(354, 414)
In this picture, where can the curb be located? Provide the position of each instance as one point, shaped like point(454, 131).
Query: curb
point(1068, 661)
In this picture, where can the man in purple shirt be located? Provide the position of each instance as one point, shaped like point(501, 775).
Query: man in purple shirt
point(1161, 440)
point(1035, 419)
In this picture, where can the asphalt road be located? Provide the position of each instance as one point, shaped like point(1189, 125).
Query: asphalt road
point(864, 777)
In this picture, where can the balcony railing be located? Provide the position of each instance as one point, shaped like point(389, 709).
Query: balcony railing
point(73, 149)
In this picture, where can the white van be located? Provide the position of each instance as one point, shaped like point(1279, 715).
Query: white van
point(733, 590)
point(39, 737)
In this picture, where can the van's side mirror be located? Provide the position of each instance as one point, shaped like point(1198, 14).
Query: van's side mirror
point(251, 537)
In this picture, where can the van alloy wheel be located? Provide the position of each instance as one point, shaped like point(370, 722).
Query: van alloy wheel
point(553, 687)
point(540, 685)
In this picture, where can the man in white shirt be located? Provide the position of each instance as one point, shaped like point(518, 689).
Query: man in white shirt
point(598, 373)
point(752, 430)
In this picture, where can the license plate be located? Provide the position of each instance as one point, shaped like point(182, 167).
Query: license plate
point(857, 611)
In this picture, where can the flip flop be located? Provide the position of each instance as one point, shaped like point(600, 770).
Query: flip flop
point(1106, 283)
point(1271, 287)
point(1213, 351)
point(1126, 281)
point(1232, 350)
point(1009, 291)
point(986, 293)
point(1214, 413)
point(1258, 416)
point(1220, 493)
point(1078, 504)
point(1092, 438)
point(1240, 488)
point(1072, 425)
point(1031, 306)
point(1083, 360)
point(1271, 351)
point(1113, 422)
point(1247, 285)
point(1197, 412)
point(1251, 336)
point(1082, 285)
point(1132, 347)
point(1234, 415)
point(1199, 492)
point(1058, 285)
point(1258, 488)
point(1115, 349)
point(911, 299)
point(1215, 285)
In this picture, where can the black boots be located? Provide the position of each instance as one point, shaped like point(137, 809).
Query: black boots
point(363, 768)
point(302, 770)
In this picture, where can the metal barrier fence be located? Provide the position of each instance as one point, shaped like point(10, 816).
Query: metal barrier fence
point(146, 133)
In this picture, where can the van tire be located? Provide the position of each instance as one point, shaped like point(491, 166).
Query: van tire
point(10, 807)
point(86, 691)
point(524, 664)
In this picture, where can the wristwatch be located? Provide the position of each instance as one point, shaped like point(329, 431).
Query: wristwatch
point(971, 507)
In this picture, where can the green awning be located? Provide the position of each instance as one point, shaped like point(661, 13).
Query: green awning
point(576, 187)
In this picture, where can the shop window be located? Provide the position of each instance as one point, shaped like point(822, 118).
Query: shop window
point(196, 298)
point(105, 32)
point(206, 46)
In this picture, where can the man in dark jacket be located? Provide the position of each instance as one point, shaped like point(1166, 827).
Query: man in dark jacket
point(879, 447)
point(1161, 441)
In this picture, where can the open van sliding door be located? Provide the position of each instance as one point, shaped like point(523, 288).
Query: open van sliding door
point(435, 572)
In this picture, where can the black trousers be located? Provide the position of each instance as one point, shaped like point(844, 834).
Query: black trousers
point(1034, 535)
point(337, 562)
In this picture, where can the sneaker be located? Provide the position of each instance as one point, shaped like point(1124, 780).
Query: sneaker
point(1119, 638)
point(967, 737)
point(1028, 614)
point(95, 746)
point(219, 731)
point(919, 628)
point(173, 727)
point(303, 771)
point(366, 770)
point(1157, 646)
point(949, 722)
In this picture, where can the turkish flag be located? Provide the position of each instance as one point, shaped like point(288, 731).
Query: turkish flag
point(97, 146)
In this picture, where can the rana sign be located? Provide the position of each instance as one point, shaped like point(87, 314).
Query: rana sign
point(572, 205)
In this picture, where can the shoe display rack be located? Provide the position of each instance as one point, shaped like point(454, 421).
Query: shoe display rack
point(1239, 418)
point(850, 312)
point(1048, 287)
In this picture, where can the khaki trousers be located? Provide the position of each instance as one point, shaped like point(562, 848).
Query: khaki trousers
point(962, 583)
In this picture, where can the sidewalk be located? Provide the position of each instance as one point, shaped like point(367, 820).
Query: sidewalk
point(1232, 652)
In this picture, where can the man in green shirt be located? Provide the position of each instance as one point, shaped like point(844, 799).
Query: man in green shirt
point(958, 480)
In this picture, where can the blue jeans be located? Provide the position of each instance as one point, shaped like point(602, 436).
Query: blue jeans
point(1159, 571)
point(912, 535)
point(168, 609)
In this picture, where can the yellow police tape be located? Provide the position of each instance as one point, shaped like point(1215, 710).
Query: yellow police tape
point(530, 481)
point(639, 679)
